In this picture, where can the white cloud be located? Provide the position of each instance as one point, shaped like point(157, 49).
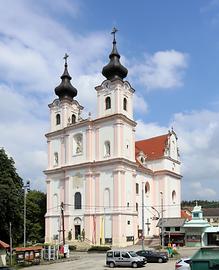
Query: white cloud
point(164, 69)
point(200, 191)
point(140, 104)
point(145, 131)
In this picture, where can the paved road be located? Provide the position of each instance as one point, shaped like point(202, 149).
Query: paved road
point(95, 261)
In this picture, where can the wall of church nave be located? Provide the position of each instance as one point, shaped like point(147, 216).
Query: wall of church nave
point(171, 194)
point(145, 185)
point(164, 164)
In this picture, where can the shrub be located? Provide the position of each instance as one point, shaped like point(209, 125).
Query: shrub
point(99, 248)
point(71, 247)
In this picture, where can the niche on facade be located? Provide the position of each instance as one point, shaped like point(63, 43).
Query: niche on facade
point(106, 149)
point(56, 159)
point(174, 196)
point(147, 188)
point(78, 144)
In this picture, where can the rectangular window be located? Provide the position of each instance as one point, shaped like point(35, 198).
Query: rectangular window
point(116, 254)
point(177, 229)
point(167, 229)
point(137, 188)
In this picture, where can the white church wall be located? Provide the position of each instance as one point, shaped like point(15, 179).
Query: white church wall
point(77, 145)
point(55, 148)
point(128, 149)
point(106, 134)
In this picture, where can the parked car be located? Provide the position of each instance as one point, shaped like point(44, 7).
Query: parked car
point(124, 258)
point(153, 256)
point(183, 264)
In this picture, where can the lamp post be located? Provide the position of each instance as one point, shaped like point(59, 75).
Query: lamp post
point(142, 243)
point(162, 222)
point(26, 189)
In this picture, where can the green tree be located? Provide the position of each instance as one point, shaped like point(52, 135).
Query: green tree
point(35, 220)
point(11, 199)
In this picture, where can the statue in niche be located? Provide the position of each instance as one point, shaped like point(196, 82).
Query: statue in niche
point(79, 145)
point(56, 158)
point(107, 149)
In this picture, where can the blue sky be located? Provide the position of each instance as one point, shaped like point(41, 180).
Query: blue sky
point(171, 49)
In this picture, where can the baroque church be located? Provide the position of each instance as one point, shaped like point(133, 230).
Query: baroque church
point(103, 181)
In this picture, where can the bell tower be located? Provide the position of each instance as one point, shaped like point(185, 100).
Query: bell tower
point(114, 95)
point(64, 110)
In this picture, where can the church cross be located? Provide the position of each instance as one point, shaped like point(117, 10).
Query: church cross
point(114, 33)
point(66, 57)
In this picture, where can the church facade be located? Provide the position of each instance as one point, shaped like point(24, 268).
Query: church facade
point(103, 181)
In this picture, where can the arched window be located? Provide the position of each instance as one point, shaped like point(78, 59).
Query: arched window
point(108, 103)
point(107, 149)
point(58, 119)
point(174, 196)
point(73, 119)
point(77, 200)
point(147, 188)
point(125, 104)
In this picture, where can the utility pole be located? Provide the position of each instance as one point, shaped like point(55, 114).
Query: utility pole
point(10, 243)
point(142, 243)
point(63, 225)
point(26, 189)
point(162, 221)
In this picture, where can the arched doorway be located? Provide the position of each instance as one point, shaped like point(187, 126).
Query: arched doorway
point(77, 227)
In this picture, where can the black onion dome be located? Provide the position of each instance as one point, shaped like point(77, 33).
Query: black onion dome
point(65, 89)
point(114, 69)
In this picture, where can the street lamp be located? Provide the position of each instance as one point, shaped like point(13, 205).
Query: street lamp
point(162, 223)
point(26, 189)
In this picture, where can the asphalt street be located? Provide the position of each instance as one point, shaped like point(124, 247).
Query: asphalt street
point(96, 261)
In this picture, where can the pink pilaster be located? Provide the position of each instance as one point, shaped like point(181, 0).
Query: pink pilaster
point(49, 153)
point(88, 143)
point(97, 142)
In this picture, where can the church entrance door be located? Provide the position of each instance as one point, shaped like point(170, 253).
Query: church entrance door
point(77, 231)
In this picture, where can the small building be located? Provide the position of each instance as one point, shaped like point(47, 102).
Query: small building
point(173, 230)
point(195, 228)
point(212, 216)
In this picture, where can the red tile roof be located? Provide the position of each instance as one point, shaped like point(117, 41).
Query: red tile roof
point(3, 245)
point(153, 147)
point(185, 214)
point(28, 248)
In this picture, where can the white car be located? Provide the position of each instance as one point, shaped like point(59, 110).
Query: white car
point(183, 264)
